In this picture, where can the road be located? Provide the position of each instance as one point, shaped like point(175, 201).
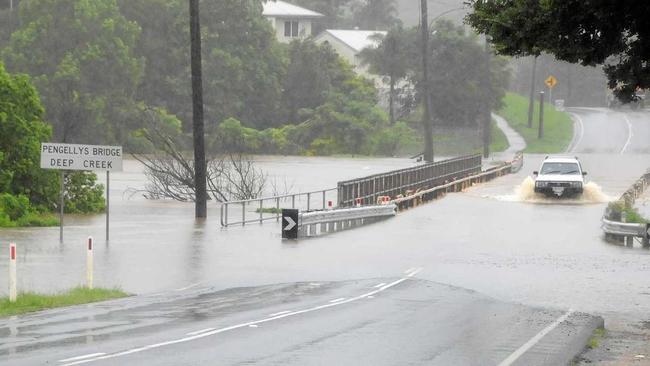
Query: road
point(544, 256)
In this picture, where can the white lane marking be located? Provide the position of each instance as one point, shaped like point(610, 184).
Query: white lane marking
point(371, 297)
point(233, 327)
point(629, 133)
point(188, 287)
point(410, 270)
point(416, 271)
point(82, 357)
point(337, 300)
point(528, 345)
point(200, 331)
point(253, 326)
point(581, 128)
point(280, 313)
point(379, 285)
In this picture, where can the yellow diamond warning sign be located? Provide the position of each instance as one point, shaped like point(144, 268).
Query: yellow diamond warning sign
point(550, 81)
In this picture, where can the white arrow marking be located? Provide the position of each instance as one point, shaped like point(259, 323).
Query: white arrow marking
point(290, 222)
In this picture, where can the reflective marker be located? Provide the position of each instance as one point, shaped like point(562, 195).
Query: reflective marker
point(12, 272)
point(89, 263)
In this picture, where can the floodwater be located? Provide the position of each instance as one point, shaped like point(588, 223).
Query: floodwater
point(525, 192)
point(550, 254)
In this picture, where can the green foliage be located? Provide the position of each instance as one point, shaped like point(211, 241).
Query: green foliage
point(558, 127)
point(16, 211)
point(616, 209)
point(30, 302)
point(80, 54)
point(396, 139)
point(21, 132)
point(576, 31)
point(83, 194)
point(14, 207)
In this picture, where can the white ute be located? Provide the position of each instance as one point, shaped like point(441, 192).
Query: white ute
point(560, 177)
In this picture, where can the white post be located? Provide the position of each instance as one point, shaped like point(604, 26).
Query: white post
point(12, 272)
point(89, 263)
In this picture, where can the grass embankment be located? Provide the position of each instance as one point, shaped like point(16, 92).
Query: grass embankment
point(29, 302)
point(499, 142)
point(558, 127)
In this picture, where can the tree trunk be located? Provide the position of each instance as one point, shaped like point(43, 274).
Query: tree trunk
point(426, 119)
point(391, 100)
point(200, 207)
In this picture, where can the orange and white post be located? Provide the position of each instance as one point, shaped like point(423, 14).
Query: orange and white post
point(12, 272)
point(89, 263)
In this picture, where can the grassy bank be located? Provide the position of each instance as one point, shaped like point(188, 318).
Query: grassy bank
point(29, 302)
point(558, 127)
point(499, 142)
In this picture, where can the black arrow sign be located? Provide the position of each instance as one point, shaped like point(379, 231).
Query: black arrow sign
point(289, 223)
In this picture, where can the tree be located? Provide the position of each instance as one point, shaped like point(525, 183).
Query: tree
point(309, 77)
point(390, 58)
point(613, 33)
point(374, 14)
point(80, 55)
point(22, 130)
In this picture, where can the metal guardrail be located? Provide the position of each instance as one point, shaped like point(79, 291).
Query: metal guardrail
point(320, 222)
point(624, 228)
point(263, 209)
point(613, 220)
point(397, 182)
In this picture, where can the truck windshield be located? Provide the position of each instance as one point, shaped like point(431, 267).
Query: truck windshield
point(560, 168)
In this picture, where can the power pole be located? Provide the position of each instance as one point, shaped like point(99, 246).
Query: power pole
point(531, 100)
point(200, 204)
point(426, 118)
point(487, 120)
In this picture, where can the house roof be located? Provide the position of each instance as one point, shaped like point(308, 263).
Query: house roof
point(277, 8)
point(355, 39)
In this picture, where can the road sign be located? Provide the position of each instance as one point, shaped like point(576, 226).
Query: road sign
point(81, 157)
point(550, 81)
point(289, 223)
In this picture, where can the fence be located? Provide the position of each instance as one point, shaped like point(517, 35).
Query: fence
point(400, 181)
point(270, 208)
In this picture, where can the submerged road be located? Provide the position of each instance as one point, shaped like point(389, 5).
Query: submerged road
point(530, 261)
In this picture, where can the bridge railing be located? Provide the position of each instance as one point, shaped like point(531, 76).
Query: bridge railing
point(263, 209)
point(366, 190)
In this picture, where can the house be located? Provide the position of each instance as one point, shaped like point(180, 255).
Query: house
point(289, 21)
point(349, 43)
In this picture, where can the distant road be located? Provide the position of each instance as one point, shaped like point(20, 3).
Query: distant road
point(602, 130)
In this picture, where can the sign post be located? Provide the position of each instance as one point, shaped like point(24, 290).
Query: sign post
point(81, 157)
point(289, 223)
point(550, 81)
point(12, 272)
point(89, 263)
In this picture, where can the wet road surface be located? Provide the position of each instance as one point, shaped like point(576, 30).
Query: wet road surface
point(385, 321)
point(540, 253)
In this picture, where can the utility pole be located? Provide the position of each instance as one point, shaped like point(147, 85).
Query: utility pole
point(201, 196)
point(531, 101)
point(487, 121)
point(426, 118)
point(540, 132)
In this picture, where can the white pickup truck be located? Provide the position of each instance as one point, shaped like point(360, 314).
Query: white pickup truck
point(560, 177)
